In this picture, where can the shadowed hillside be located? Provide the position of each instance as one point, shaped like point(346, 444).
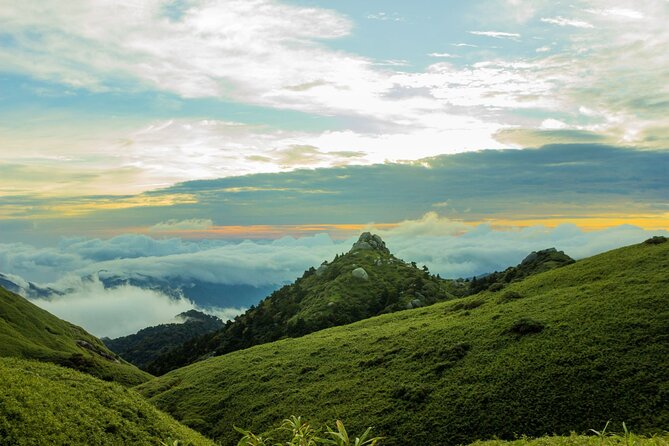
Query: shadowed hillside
point(149, 343)
point(27, 331)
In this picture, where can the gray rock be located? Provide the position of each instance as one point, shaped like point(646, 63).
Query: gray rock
point(369, 241)
point(416, 303)
point(321, 269)
point(360, 273)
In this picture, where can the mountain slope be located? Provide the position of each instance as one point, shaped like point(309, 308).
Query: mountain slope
point(43, 404)
point(366, 281)
point(564, 350)
point(27, 331)
point(147, 344)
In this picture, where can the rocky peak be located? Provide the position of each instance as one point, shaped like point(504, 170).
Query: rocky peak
point(545, 256)
point(368, 242)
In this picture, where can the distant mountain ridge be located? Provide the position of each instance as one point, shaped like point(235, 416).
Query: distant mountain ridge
point(148, 343)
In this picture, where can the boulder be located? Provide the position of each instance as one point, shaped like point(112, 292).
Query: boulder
point(360, 273)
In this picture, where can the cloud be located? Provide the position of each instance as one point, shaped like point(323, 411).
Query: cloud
point(182, 225)
point(567, 181)
point(195, 55)
point(385, 17)
point(287, 64)
point(618, 13)
point(118, 311)
point(496, 34)
point(453, 249)
point(443, 55)
point(561, 21)
point(113, 312)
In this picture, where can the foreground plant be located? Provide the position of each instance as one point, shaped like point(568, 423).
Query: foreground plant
point(301, 433)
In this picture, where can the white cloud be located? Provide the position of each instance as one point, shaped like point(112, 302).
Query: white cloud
point(384, 17)
point(272, 54)
point(182, 225)
point(443, 55)
point(113, 312)
point(618, 12)
point(561, 21)
point(496, 34)
point(431, 239)
point(454, 249)
point(553, 124)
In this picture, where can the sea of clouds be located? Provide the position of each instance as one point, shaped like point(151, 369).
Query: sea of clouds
point(452, 249)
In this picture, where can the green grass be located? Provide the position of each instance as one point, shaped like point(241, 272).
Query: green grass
point(44, 404)
point(580, 440)
point(576, 347)
point(27, 331)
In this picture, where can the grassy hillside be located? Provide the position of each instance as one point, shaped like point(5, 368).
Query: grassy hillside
point(43, 404)
point(364, 282)
point(149, 343)
point(564, 350)
point(27, 331)
point(580, 440)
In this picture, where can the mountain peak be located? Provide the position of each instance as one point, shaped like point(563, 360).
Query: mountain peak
point(368, 241)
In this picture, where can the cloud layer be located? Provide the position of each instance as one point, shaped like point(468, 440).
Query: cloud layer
point(114, 312)
point(451, 248)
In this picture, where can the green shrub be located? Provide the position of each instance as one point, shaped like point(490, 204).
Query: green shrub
point(657, 240)
point(465, 305)
point(525, 326)
point(509, 296)
point(296, 432)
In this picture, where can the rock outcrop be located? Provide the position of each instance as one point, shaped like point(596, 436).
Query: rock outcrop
point(368, 242)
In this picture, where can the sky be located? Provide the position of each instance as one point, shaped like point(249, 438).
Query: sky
point(233, 127)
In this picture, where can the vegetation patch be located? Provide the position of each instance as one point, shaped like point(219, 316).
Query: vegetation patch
point(656, 240)
point(469, 305)
point(149, 343)
point(509, 296)
point(526, 326)
point(43, 404)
